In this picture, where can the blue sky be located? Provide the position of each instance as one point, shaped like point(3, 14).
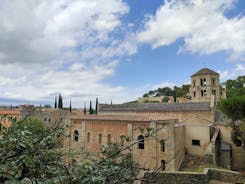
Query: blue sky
point(114, 49)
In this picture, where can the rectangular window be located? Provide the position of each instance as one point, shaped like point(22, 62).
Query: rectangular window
point(196, 142)
point(163, 165)
point(163, 146)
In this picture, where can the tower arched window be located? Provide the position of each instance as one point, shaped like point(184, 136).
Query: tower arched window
point(141, 142)
point(88, 137)
point(100, 138)
point(75, 135)
point(108, 138)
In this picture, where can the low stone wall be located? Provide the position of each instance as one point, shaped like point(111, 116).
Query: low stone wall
point(175, 178)
point(227, 176)
point(179, 177)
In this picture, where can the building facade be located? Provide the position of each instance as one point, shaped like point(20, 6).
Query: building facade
point(205, 84)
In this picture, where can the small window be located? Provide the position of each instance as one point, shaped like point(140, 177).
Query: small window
point(194, 83)
point(141, 142)
point(88, 137)
point(202, 93)
point(162, 146)
point(196, 142)
point(194, 94)
point(108, 138)
point(204, 82)
point(100, 138)
point(45, 119)
point(76, 134)
point(49, 119)
point(205, 93)
point(163, 165)
point(213, 92)
point(213, 81)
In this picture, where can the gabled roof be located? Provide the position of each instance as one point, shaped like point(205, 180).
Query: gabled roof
point(204, 71)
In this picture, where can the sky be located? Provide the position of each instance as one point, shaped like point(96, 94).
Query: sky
point(114, 49)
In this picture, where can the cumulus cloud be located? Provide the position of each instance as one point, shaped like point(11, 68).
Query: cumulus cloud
point(232, 73)
point(66, 46)
point(201, 23)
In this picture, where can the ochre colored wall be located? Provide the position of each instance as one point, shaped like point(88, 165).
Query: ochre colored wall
point(197, 132)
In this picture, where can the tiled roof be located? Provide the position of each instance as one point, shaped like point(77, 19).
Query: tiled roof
point(155, 107)
point(204, 71)
point(9, 112)
point(141, 118)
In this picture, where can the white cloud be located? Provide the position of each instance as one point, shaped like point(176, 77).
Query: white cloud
point(66, 46)
point(232, 73)
point(201, 23)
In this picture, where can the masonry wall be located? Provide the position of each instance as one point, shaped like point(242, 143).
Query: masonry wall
point(179, 139)
point(200, 133)
point(194, 177)
point(150, 157)
point(238, 153)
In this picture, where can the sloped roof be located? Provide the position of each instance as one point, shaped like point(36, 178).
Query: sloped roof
point(152, 107)
point(204, 71)
point(141, 118)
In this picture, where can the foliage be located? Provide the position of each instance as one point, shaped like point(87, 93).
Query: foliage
point(28, 149)
point(96, 106)
point(60, 102)
point(113, 167)
point(84, 109)
point(234, 108)
point(166, 91)
point(70, 108)
point(235, 87)
point(55, 102)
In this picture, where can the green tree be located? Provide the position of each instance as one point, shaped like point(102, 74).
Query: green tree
point(234, 108)
point(70, 108)
point(84, 109)
point(28, 149)
point(96, 106)
point(55, 102)
point(90, 108)
point(60, 102)
point(235, 87)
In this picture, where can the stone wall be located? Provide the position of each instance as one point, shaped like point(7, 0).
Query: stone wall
point(175, 178)
point(194, 177)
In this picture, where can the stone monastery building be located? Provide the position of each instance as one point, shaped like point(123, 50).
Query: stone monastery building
point(162, 133)
point(176, 128)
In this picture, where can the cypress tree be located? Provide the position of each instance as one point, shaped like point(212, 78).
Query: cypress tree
point(70, 105)
point(60, 103)
point(90, 108)
point(55, 102)
point(96, 107)
point(84, 109)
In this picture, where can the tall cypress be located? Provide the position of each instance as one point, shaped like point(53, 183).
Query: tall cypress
point(96, 106)
point(55, 102)
point(84, 109)
point(90, 108)
point(60, 103)
point(70, 105)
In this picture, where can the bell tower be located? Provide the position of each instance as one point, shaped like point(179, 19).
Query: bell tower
point(204, 85)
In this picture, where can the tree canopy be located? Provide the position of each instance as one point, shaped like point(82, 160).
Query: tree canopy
point(28, 149)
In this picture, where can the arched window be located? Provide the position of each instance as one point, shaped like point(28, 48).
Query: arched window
point(88, 137)
point(108, 138)
point(141, 142)
point(100, 138)
point(76, 134)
